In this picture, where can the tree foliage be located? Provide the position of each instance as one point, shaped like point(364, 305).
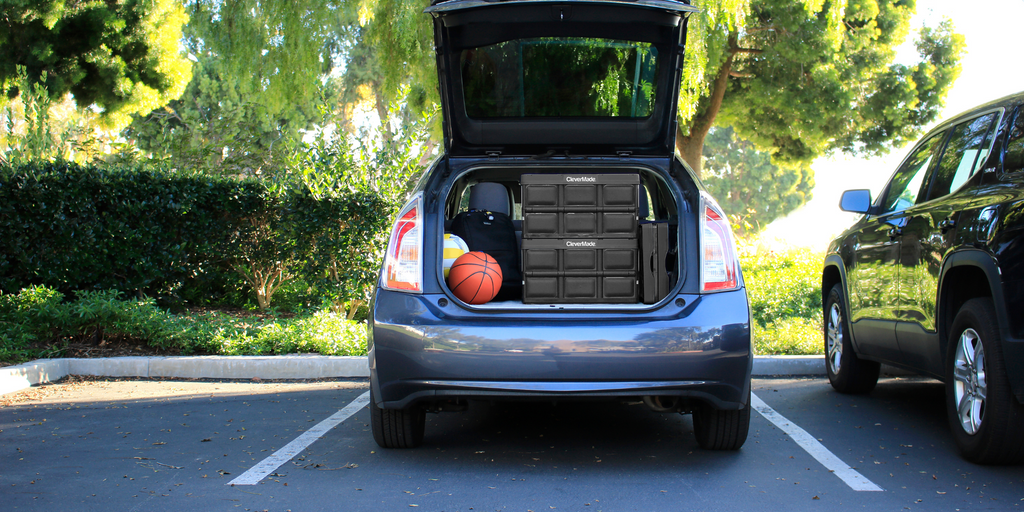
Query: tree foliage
point(798, 78)
point(119, 55)
point(400, 32)
point(750, 188)
point(264, 73)
point(798, 84)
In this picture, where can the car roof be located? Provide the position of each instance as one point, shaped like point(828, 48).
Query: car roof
point(1008, 101)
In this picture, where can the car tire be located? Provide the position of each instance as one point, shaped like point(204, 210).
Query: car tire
point(397, 428)
point(985, 416)
point(718, 429)
point(846, 372)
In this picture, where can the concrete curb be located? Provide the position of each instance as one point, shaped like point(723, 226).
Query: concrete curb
point(41, 371)
point(15, 378)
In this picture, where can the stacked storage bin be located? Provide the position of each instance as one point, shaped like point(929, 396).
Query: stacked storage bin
point(580, 238)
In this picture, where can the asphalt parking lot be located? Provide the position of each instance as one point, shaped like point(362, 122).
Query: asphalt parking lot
point(176, 445)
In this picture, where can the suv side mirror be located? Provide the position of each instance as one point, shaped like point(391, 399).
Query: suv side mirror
point(857, 201)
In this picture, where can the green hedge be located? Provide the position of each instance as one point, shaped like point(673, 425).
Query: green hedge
point(74, 227)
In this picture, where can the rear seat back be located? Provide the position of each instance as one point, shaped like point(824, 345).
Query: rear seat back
point(487, 227)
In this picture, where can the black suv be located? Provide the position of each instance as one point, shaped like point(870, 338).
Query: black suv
point(620, 276)
point(929, 279)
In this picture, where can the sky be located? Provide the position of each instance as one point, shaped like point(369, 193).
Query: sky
point(989, 70)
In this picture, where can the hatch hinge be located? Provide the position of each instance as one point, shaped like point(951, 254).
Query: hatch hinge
point(493, 154)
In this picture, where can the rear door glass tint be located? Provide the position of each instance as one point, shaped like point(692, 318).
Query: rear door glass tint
point(1013, 160)
point(967, 150)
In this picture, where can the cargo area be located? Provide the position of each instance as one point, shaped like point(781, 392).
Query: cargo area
point(567, 236)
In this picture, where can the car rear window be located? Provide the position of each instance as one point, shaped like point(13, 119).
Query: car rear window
point(559, 77)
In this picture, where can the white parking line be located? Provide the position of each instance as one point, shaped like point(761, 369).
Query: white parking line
point(855, 480)
point(290, 450)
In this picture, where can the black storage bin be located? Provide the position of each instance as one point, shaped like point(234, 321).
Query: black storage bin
point(583, 271)
point(653, 255)
point(580, 205)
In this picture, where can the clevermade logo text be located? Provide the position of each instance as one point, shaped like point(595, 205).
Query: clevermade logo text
point(570, 243)
point(580, 179)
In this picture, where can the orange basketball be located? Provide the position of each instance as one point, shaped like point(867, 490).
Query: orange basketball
point(475, 278)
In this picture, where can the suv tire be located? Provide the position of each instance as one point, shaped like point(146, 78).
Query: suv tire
point(846, 372)
point(985, 417)
point(397, 428)
point(718, 429)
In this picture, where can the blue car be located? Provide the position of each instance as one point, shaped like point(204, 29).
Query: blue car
point(619, 278)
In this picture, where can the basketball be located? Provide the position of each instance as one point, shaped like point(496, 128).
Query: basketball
point(475, 278)
point(454, 247)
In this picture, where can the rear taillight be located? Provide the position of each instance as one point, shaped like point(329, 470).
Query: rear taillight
point(718, 268)
point(403, 261)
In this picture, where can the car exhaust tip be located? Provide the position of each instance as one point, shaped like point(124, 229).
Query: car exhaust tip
point(662, 403)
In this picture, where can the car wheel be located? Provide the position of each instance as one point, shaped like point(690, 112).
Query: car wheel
point(397, 428)
point(985, 417)
point(721, 429)
point(846, 372)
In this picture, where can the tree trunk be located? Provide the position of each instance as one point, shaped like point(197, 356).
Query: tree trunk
point(691, 146)
point(382, 110)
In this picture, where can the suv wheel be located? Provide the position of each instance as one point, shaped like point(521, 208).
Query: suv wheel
point(846, 372)
point(985, 417)
point(721, 429)
point(397, 428)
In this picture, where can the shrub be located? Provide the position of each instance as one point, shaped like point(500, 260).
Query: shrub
point(73, 227)
point(784, 288)
point(37, 316)
point(34, 315)
point(789, 336)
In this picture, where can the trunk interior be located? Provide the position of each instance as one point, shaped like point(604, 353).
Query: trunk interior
point(581, 241)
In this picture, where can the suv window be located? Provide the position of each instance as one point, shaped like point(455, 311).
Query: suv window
point(966, 151)
point(559, 77)
point(1014, 159)
point(905, 187)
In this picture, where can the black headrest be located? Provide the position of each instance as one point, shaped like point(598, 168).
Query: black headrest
point(492, 197)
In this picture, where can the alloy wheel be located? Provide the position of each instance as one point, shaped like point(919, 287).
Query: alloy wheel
point(970, 386)
point(834, 338)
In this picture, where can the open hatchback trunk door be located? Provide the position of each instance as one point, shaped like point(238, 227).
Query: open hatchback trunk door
point(528, 77)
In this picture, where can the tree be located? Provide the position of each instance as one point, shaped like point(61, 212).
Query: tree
point(798, 84)
point(798, 78)
point(399, 31)
point(749, 187)
point(264, 74)
point(119, 55)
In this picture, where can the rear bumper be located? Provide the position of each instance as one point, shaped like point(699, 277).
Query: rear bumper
point(420, 351)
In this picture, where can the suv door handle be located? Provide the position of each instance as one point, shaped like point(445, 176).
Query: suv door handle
point(894, 232)
point(947, 224)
